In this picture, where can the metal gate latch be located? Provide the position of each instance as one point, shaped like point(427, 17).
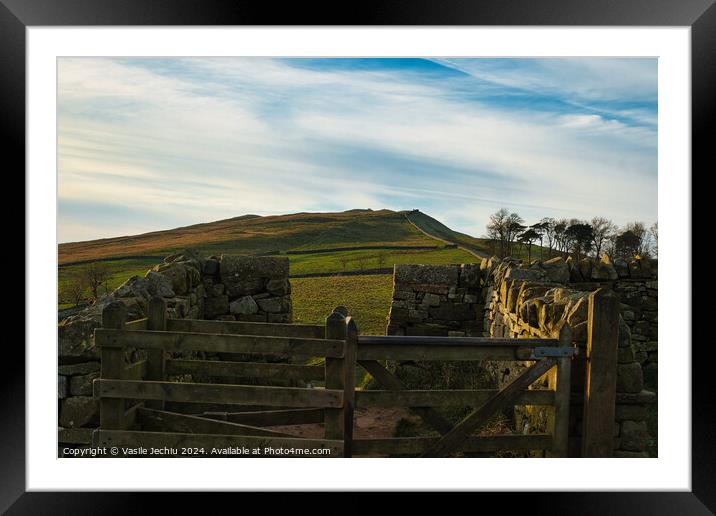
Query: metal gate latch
point(549, 352)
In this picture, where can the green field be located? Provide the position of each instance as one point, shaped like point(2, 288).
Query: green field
point(367, 297)
point(330, 262)
point(373, 259)
point(120, 271)
point(253, 234)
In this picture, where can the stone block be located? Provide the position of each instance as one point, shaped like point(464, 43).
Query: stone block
point(61, 387)
point(453, 312)
point(79, 411)
point(556, 270)
point(630, 412)
point(445, 275)
point(214, 306)
point(82, 385)
point(431, 299)
point(177, 274)
point(275, 304)
point(211, 267)
point(244, 305)
point(426, 330)
point(75, 435)
point(81, 368)
point(625, 355)
point(470, 275)
point(630, 378)
point(278, 287)
point(633, 436)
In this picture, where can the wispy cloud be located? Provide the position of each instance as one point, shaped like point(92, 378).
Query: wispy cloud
point(146, 144)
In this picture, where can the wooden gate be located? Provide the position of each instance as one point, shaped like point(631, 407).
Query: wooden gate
point(545, 353)
point(134, 398)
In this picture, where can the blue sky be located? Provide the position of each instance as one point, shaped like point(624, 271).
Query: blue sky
point(148, 144)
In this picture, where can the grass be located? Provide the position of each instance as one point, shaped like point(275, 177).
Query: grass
point(120, 271)
point(367, 297)
point(253, 234)
point(373, 258)
point(480, 245)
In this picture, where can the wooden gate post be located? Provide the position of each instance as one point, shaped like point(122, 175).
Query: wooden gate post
point(156, 358)
point(601, 375)
point(349, 384)
point(560, 435)
point(335, 376)
point(111, 410)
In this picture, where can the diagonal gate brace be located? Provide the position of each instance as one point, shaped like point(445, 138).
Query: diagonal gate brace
point(429, 415)
point(453, 440)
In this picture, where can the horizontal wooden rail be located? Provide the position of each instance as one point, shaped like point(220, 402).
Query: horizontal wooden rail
point(418, 445)
point(164, 421)
point(306, 331)
point(440, 398)
point(270, 417)
point(219, 343)
point(408, 340)
point(218, 393)
point(439, 351)
point(139, 324)
point(159, 440)
point(245, 369)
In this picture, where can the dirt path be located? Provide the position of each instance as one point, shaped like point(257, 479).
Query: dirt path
point(367, 422)
point(476, 254)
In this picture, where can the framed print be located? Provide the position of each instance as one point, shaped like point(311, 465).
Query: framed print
point(421, 241)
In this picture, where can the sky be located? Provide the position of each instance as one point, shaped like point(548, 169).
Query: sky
point(146, 144)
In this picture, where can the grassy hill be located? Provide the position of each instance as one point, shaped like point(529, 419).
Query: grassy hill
point(436, 228)
point(252, 234)
point(315, 243)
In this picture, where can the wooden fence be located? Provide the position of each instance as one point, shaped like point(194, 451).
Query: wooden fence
point(134, 397)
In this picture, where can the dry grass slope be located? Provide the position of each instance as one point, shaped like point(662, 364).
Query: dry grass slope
point(253, 234)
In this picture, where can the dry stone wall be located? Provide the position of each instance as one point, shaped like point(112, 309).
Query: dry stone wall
point(436, 300)
point(533, 302)
point(504, 298)
point(636, 284)
point(243, 288)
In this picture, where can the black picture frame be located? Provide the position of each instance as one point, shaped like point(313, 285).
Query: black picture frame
point(700, 15)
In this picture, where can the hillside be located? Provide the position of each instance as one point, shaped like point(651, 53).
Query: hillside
point(439, 230)
point(251, 234)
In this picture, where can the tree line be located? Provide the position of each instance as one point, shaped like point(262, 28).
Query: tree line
point(509, 233)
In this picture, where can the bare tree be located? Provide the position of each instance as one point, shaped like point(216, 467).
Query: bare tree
point(343, 259)
point(514, 226)
point(580, 237)
point(561, 239)
point(654, 231)
point(541, 228)
point(95, 276)
point(627, 244)
point(548, 233)
point(642, 234)
point(74, 287)
point(497, 229)
point(602, 229)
